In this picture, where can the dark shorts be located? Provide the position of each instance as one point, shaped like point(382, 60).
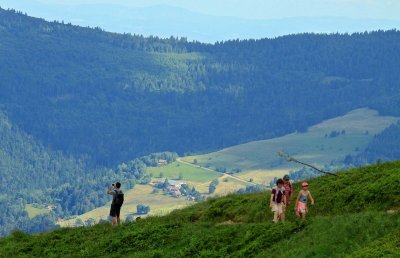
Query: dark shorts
point(115, 211)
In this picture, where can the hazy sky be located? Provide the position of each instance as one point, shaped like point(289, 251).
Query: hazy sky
point(262, 9)
point(216, 20)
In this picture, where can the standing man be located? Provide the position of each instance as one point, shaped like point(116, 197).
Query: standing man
point(117, 201)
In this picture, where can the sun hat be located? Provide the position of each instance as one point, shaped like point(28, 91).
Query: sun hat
point(304, 184)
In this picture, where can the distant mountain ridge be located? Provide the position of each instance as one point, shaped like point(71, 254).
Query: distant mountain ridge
point(113, 96)
point(166, 21)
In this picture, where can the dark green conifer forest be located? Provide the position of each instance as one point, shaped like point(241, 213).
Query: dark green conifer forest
point(75, 103)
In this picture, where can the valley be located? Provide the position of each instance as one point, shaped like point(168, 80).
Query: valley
point(258, 162)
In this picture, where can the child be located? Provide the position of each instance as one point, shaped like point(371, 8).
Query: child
point(278, 201)
point(301, 202)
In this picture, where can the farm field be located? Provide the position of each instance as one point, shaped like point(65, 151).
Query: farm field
point(262, 176)
point(189, 173)
point(34, 211)
point(160, 204)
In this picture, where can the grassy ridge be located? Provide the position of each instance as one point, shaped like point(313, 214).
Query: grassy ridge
point(349, 218)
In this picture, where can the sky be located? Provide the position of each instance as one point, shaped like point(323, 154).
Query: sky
point(266, 9)
point(216, 20)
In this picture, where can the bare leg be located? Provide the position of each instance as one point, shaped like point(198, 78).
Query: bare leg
point(114, 221)
point(276, 216)
point(283, 216)
point(118, 221)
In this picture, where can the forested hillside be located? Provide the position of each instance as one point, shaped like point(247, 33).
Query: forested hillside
point(111, 97)
point(384, 147)
point(346, 221)
point(65, 186)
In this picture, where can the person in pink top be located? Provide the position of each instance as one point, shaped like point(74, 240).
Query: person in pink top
point(301, 201)
point(288, 193)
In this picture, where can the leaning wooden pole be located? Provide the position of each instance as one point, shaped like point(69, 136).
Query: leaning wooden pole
point(291, 159)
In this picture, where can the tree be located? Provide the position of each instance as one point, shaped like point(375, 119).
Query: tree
point(166, 184)
point(142, 209)
point(213, 186)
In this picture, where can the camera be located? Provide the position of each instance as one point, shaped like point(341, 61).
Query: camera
point(113, 184)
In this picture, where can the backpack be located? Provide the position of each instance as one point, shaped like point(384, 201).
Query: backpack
point(119, 198)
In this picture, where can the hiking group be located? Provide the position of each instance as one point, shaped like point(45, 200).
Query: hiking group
point(281, 197)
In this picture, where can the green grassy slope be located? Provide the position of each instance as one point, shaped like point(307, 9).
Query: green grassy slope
point(349, 218)
point(256, 159)
point(189, 173)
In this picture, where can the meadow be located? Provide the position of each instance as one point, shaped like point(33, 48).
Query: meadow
point(349, 219)
point(188, 173)
point(35, 211)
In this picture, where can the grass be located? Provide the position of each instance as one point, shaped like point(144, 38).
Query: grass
point(349, 218)
point(33, 211)
point(263, 176)
point(160, 204)
point(228, 185)
point(386, 246)
point(336, 236)
point(312, 147)
point(189, 173)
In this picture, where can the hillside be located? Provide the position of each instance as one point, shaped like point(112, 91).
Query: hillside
point(257, 161)
point(323, 145)
point(30, 173)
point(383, 147)
point(42, 185)
point(112, 97)
point(349, 219)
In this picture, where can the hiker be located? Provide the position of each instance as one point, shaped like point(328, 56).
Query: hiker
point(278, 201)
point(288, 189)
point(301, 201)
point(117, 201)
